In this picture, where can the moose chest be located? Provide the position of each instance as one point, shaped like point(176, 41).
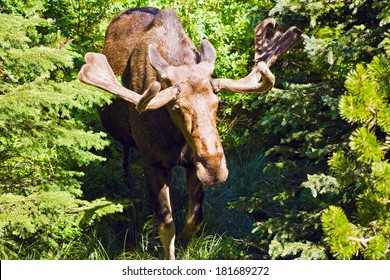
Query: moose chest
point(157, 137)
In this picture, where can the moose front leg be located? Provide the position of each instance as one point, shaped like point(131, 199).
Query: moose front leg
point(194, 217)
point(158, 180)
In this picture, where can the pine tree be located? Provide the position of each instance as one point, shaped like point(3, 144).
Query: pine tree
point(364, 230)
point(44, 140)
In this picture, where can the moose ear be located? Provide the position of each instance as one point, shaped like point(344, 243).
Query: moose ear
point(157, 61)
point(207, 52)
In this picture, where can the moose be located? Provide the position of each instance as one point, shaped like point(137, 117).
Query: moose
point(167, 106)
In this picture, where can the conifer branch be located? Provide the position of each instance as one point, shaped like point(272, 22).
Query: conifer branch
point(363, 241)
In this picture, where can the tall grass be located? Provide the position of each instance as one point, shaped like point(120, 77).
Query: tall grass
point(85, 248)
point(133, 234)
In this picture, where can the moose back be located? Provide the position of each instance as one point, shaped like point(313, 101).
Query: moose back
point(173, 121)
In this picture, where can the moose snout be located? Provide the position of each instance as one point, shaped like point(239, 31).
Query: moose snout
point(211, 169)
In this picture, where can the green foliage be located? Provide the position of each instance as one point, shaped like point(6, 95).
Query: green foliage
point(315, 159)
point(369, 170)
point(304, 251)
point(39, 225)
point(340, 234)
point(366, 146)
point(26, 8)
point(321, 185)
point(310, 179)
point(44, 140)
point(82, 22)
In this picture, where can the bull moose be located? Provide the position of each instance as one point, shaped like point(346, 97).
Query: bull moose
point(174, 121)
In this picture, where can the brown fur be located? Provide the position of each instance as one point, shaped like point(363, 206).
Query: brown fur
point(174, 134)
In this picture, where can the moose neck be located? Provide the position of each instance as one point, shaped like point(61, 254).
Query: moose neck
point(166, 33)
point(174, 45)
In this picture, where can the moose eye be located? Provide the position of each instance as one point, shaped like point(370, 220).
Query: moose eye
point(177, 110)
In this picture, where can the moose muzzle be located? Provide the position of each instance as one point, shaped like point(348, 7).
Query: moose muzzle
point(211, 169)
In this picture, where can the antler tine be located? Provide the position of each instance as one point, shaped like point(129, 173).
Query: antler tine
point(269, 46)
point(153, 98)
point(97, 72)
point(263, 35)
point(279, 45)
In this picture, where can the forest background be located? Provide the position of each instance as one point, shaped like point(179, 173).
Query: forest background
point(309, 171)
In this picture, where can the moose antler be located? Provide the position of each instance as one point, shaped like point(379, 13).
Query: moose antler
point(268, 48)
point(97, 72)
